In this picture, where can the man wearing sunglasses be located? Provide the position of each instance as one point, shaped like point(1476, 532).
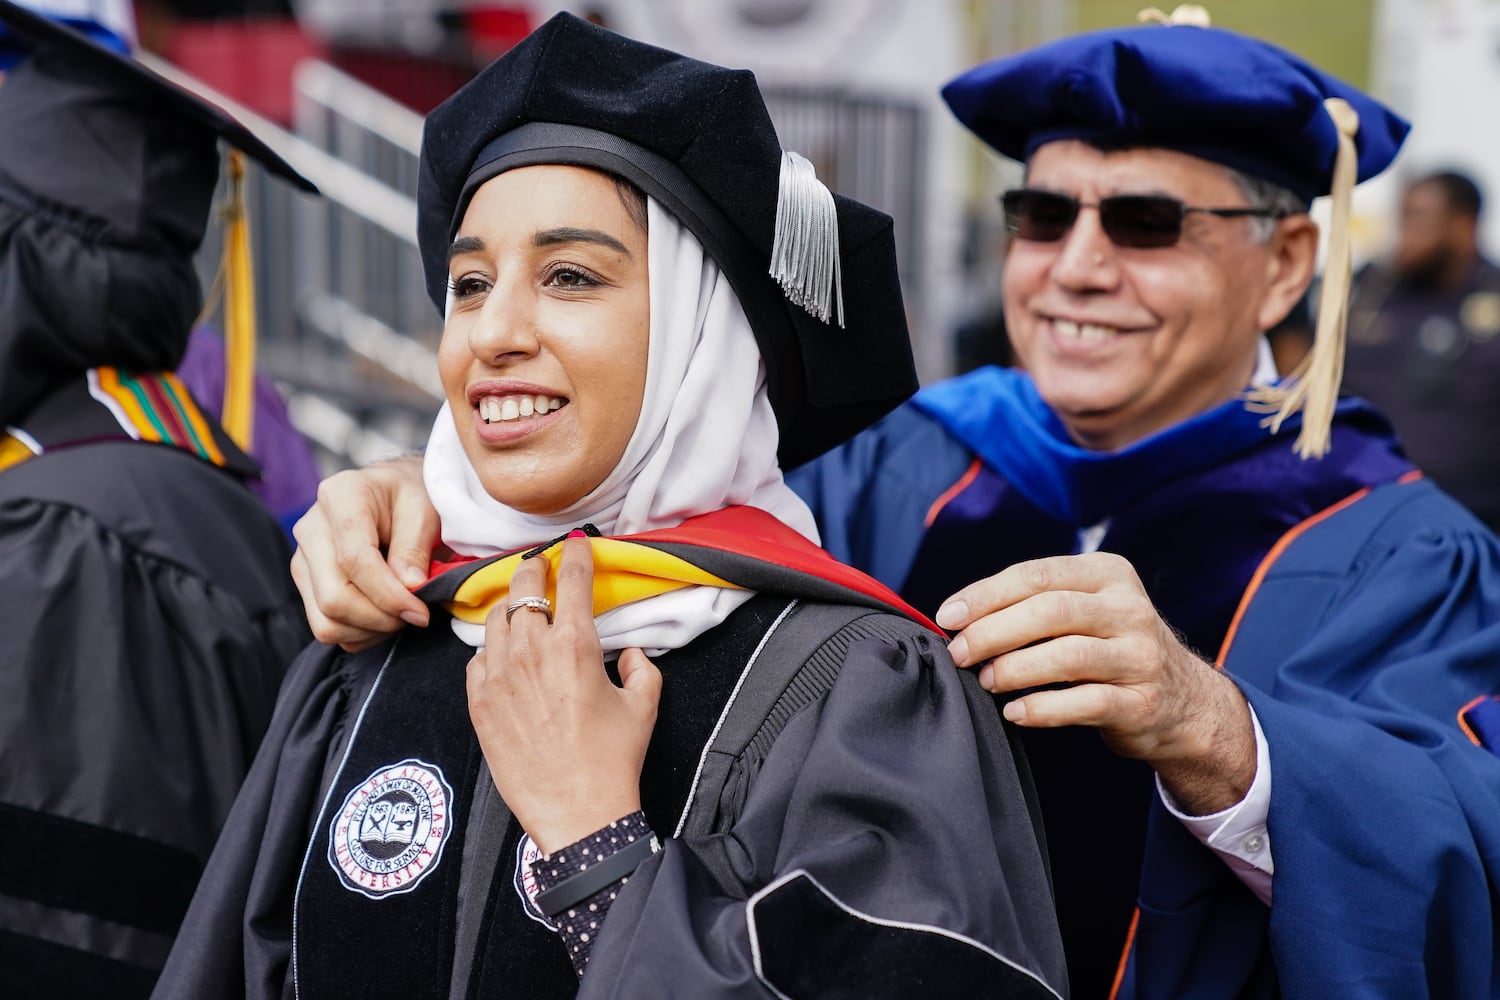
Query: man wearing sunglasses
point(1145, 496)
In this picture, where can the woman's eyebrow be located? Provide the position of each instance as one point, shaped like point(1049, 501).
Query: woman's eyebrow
point(545, 238)
point(465, 244)
point(568, 234)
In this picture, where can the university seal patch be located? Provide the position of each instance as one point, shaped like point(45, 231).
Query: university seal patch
point(391, 830)
point(528, 855)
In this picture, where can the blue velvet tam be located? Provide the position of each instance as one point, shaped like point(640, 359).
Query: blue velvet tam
point(93, 132)
point(1211, 93)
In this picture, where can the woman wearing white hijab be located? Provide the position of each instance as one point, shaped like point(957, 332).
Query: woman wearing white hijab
point(653, 737)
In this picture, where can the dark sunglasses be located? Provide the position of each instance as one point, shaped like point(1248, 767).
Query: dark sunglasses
point(1129, 220)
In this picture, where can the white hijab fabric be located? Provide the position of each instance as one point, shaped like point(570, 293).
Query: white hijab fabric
point(706, 439)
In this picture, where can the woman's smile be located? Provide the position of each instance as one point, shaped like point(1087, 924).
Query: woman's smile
point(506, 411)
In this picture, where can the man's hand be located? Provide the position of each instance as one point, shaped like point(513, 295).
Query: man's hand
point(354, 595)
point(1086, 622)
point(564, 745)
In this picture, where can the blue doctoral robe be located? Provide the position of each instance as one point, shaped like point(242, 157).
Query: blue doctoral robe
point(1368, 609)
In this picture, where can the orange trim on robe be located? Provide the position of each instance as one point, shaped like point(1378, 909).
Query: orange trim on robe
point(1135, 919)
point(1464, 725)
point(1282, 544)
point(963, 483)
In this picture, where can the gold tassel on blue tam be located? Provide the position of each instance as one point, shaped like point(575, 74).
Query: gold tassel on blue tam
point(1313, 386)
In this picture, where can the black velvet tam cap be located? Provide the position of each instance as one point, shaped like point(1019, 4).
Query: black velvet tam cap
point(94, 132)
point(697, 138)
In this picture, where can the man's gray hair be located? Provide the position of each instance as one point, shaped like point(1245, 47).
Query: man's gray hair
point(1265, 194)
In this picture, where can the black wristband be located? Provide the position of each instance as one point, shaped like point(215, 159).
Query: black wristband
point(576, 888)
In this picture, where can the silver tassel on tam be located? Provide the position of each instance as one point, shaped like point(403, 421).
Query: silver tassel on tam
point(805, 254)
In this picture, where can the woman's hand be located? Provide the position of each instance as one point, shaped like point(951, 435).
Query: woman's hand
point(564, 745)
point(353, 595)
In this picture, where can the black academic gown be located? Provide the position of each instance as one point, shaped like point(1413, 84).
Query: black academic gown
point(881, 843)
point(149, 617)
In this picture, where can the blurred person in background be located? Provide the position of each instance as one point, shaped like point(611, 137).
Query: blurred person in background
point(288, 474)
point(1305, 815)
point(149, 615)
point(1424, 341)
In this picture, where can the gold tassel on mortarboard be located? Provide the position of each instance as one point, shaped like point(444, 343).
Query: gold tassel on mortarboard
point(1313, 386)
point(239, 311)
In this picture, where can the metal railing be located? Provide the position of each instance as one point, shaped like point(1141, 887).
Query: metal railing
point(871, 149)
point(345, 326)
point(354, 258)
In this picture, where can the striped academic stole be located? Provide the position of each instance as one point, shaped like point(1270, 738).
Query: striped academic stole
point(107, 404)
point(738, 548)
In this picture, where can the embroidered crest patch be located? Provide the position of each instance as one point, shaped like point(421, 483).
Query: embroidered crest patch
point(390, 832)
point(528, 854)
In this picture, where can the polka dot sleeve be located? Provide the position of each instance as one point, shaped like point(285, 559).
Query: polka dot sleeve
point(579, 925)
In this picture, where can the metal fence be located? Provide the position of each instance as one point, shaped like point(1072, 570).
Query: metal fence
point(360, 293)
point(871, 149)
point(345, 327)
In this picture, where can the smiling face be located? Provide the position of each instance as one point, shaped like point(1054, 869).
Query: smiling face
point(1124, 342)
point(543, 358)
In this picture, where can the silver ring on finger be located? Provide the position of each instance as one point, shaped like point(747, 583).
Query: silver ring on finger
point(530, 604)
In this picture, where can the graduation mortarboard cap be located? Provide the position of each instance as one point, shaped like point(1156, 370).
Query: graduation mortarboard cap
point(698, 139)
point(93, 131)
point(1223, 97)
point(120, 165)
